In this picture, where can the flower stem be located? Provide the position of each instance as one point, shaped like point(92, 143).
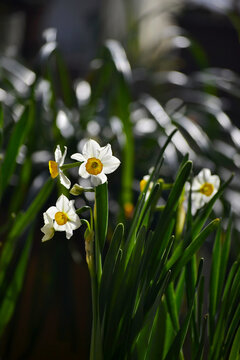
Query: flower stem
point(69, 166)
point(96, 345)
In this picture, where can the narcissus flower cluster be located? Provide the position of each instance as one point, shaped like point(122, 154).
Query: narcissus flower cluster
point(95, 162)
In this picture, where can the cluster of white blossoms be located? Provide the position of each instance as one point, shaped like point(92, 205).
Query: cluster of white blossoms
point(95, 162)
point(204, 187)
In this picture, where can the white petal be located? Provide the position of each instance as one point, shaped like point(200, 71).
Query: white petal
point(146, 177)
point(204, 175)
point(75, 221)
point(215, 180)
point(110, 165)
point(194, 209)
point(61, 162)
point(48, 231)
point(62, 203)
point(198, 200)
point(105, 152)
point(59, 227)
point(71, 211)
point(197, 183)
point(78, 157)
point(47, 218)
point(98, 179)
point(69, 230)
point(58, 154)
point(64, 180)
point(82, 171)
point(91, 149)
point(52, 211)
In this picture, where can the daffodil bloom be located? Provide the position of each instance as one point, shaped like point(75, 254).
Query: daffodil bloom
point(55, 167)
point(63, 218)
point(48, 228)
point(204, 187)
point(96, 162)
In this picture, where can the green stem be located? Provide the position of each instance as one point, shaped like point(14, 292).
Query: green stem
point(72, 165)
point(96, 348)
point(165, 186)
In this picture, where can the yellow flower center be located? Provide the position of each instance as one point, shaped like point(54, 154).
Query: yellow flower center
point(143, 184)
point(94, 166)
point(53, 169)
point(61, 218)
point(207, 189)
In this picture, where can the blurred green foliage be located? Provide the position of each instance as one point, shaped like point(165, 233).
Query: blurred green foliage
point(135, 110)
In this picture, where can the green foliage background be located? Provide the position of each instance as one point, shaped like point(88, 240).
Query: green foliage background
point(151, 294)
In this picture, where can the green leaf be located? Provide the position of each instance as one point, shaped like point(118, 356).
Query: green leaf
point(214, 281)
point(14, 288)
point(1, 126)
point(101, 213)
point(17, 138)
point(163, 230)
point(101, 224)
point(177, 344)
point(21, 223)
point(192, 248)
point(109, 265)
point(235, 350)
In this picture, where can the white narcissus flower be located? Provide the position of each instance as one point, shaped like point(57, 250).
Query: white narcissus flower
point(55, 167)
point(204, 187)
point(61, 217)
point(96, 162)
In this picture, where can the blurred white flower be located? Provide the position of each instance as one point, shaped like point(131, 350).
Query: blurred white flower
point(204, 187)
point(55, 167)
point(96, 162)
point(61, 217)
point(144, 182)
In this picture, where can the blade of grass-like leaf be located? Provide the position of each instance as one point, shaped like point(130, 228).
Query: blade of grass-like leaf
point(101, 212)
point(235, 350)
point(17, 138)
point(232, 281)
point(8, 305)
point(226, 242)
point(232, 328)
point(108, 267)
point(214, 279)
point(141, 201)
point(167, 214)
point(192, 248)
point(177, 344)
point(165, 224)
point(172, 306)
point(1, 126)
point(200, 302)
point(200, 351)
point(101, 224)
point(180, 290)
point(122, 300)
point(21, 223)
